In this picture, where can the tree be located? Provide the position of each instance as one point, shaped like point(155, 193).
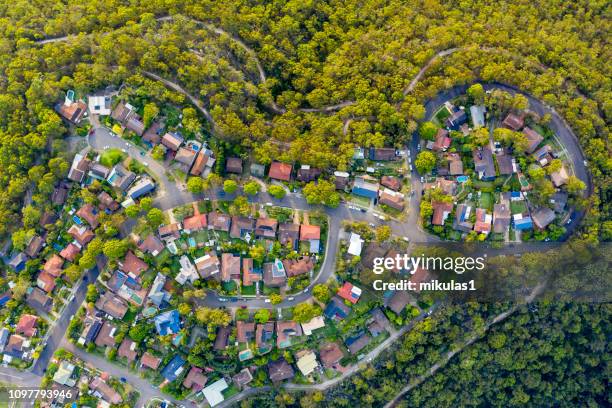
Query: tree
point(92, 293)
point(476, 93)
point(258, 253)
point(275, 299)
point(574, 185)
point(425, 162)
point(426, 210)
point(304, 312)
point(383, 233)
point(195, 185)
point(240, 206)
point(149, 113)
point(276, 191)
point(321, 293)
point(146, 204)
point(428, 130)
point(230, 186)
point(322, 192)
point(190, 120)
point(132, 211)
point(115, 248)
point(140, 331)
point(251, 187)
point(480, 136)
point(158, 153)
point(212, 318)
point(262, 316)
point(155, 217)
point(73, 273)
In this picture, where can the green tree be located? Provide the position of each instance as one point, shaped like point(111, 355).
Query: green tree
point(92, 293)
point(304, 312)
point(383, 233)
point(155, 217)
point(251, 187)
point(158, 153)
point(476, 93)
point(425, 162)
point(195, 185)
point(262, 316)
point(321, 293)
point(146, 204)
point(275, 299)
point(575, 186)
point(149, 113)
point(230, 186)
point(276, 191)
point(322, 192)
point(428, 130)
point(132, 211)
point(115, 248)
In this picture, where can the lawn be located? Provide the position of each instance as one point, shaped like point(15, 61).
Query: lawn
point(486, 201)
point(248, 290)
point(518, 207)
point(111, 157)
point(361, 201)
point(441, 115)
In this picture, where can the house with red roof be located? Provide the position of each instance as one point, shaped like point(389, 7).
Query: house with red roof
point(133, 265)
point(70, 252)
point(349, 292)
point(53, 266)
point(280, 171)
point(45, 281)
point(27, 325)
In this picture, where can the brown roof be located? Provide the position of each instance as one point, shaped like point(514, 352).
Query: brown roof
point(280, 171)
point(392, 200)
point(359, 343)
point(73, 112)
point(150, 361)
point(383, 153)
point(135, 125)
point(270, 279)
point(70, 252)
point(219, 221)
point(108, 394)
point(442, 141)
point(245, 332)
point(82, 235)
point(35, 246)
point(171, 141)
point(308, 232)
point(439, 211)
point(243, 377)
point(248, 277)
point(233, 165)
point(107, 202)
point(280, 370)
point(207, 266)
point(306, 174)
point(46, 281)
point(195, 380)
point(240, 226)
point(330, 354)
point(288, 233)
point(127, 349)
point(27, 325)
point(87, 213)
point(15, 343)
point(420, 275)
point(53, 266)
point(392, 182)
point(196, 222)
point(222, 338)
point(78, 171)
point(230, 267)
point(299, 267)
point(47, 218)
point(534, 139)
point(38, 299)
point(286, 329)
point(133, 264)
point(113, 305)
point(264, 334)
point(151, 134)
point(513, 121)
point(152, 245)
point(398, 301)
point(266, 227)
point(200, 163)
point(166, 231)
point(106, 335)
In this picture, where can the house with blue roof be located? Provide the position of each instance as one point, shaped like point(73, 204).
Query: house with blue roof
point(141, 188)
point(174, 368)
point(4, 298)
point(365, 186)
point(336, 309)
point(522, 223)
point(168, 323)
point(18, 261)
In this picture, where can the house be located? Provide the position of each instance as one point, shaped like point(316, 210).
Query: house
point(477, 113)
point(39, 300)
point(241, 226)
point(99, 105)
point(170, 231)
point(4, 336)
point(157, 294)
point(34, 247)
point(284, 331)
point(53, 266)
point(559, 177)
point(78, 169)
point(143, 186)
point(18, 261)
point(391, 182)
point(462, 218)
point(133, 265)
point(522, 222)
point(148, 360)
point(196, 222)
point(441, 210)
point(280, 171)
point(106, 335)
point(112, 305)
point(219, 221)
point(222, 338)
point(168, 323)
point(301, 266)
point(542, 217)
point(89, 213)
point(91, 328)
point(543, 155)
point(266, 228)
point(230, 267)
point(315, 323)
point(336, 309)
point(48, 218)
point(307, 174)
point(501, 218)
point(233, 165)
point(455, 165)
point(249, 275)
point(559, 201)
point(483, 221)
point(274, 274)
point(506, 164)
point(127, 350)
point(341, 179)
point(203, 164)
point(173, 369)
point(379, 317)
point(187, 272)
point(195, 379)
point(349, 292)
point(534, 139)
point(355, 244)
point(82, 234)
point(365, 186)
point(135, 125)
point(393, 199)
point(71, 110)
point(442, 141)
point(15, 346)
point(120, 177)
point(243, 378)
point(245, 332)
point(280, 370)
point(330, 355)
point(46, 282)
point(289, 234)
point(382, 154)
point(151, 245)
point(264, 333)
point(357, 343)
point(152, 135)
point(311, 234)
point(456, 119)
point(214, 392)
point(258, 170)
point(99, 386)
point(27, 325)
point(398, 301)
point(514, 122)
point(306, 361)
point(106, 202)
point(483, 163)
point(98, 171)
point(172, 141)
point(63, 375)
point(420, 275)
point(208, 265)
point(186, 155)
point(60, 194)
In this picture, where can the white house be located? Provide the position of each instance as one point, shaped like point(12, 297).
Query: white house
point(355, 244)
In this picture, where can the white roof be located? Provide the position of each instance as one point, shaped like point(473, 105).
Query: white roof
point(341, 174)
point(307, 363)
point(99, 104)
point(213, 393)
point(315, 323)
point(355, 245)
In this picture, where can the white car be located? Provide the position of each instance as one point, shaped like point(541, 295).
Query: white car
point(145, 164)
point(124, 151)
point(267, 301)
point(422, 179)
point(569, 221)
point(372, 225)
point(406, 239)
point(291, 298)
point(306, 290)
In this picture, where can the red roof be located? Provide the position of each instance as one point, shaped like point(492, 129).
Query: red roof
point(27, 325)
point(70, 252)
point(46, 282)
point(346, 292)
point(195, 223)
point(280, 171)
point(53, 266)
point(308, 232)
point(134, 265)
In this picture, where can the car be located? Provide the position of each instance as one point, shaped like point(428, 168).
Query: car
point(222, 300)
point(243, 307)
point(124, 151)
point(372, 225)
point(267, 301)
point(85, 278)
point(411, 167)
point(569, 221)
point(291, 298)
point(233, 299)
point(411, 193)
point(142, 154)
point(586, 164)
point(363, 210)
point(306, 290)
point(406, 239)
point(145, 164)
point(123, 379)
point(127, 144)
point(419, 147)
point(269, 204)
point(422, 179)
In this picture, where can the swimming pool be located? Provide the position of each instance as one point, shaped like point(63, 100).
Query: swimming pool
point(462, 179)
point(77, 220)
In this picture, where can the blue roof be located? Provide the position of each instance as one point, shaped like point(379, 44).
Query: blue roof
point(354, 338)
point(168, 323)
point(335, 309)
point(523, 224)
point(4, 298)
point(170, 370)
point(364, 192)
point(515, 194)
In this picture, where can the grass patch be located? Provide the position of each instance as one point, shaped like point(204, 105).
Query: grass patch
point(518, 207)
point(248, 290)
point(486, 201)
point(111, 157)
